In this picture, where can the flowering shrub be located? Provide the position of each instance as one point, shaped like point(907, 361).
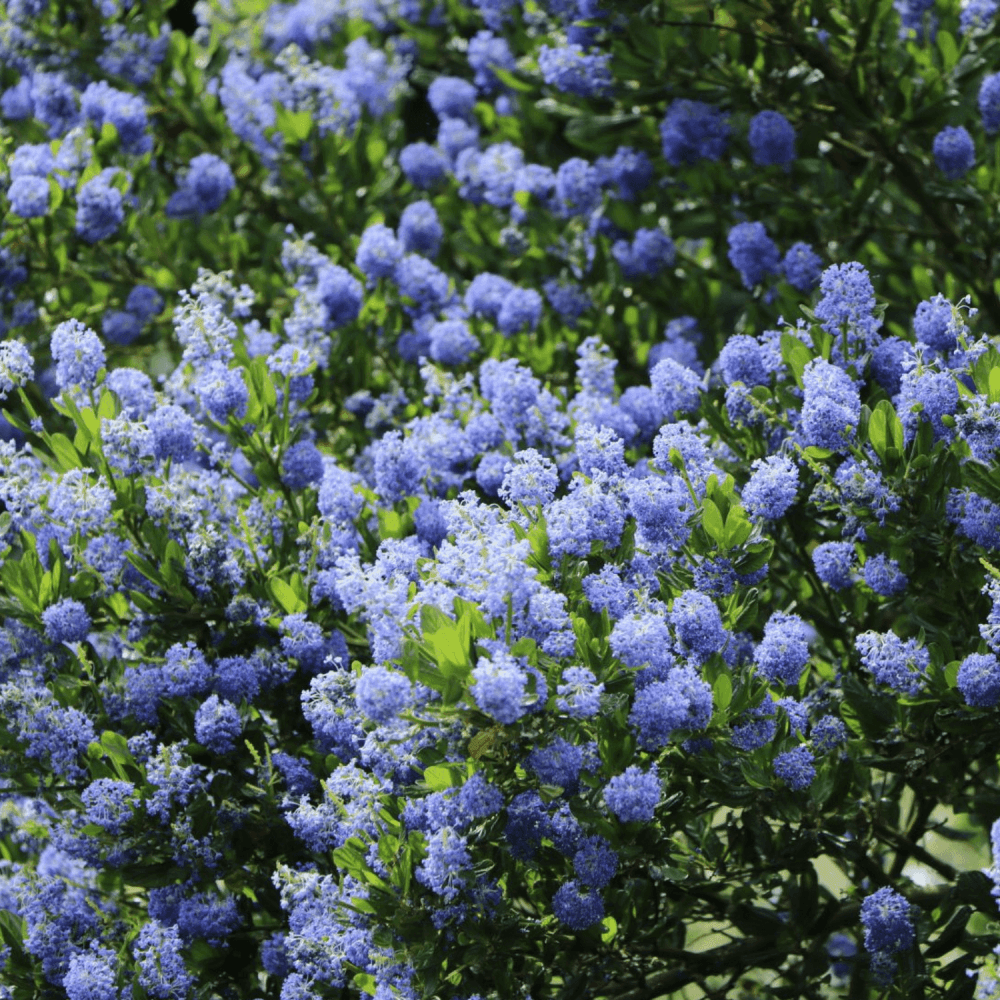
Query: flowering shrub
point(494, 492)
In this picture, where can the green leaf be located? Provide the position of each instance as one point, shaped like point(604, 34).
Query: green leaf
point(948, 49)
point(294, 125)
point(445, 641)
point(722, 692)
point(993, 394)
point(738, 528)
point(795, 354)
point(66, 456)
point(711, 521)
point(285, 596)
point(438, 777)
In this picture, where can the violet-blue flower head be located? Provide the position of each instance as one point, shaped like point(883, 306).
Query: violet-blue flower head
point(979, 680)
point(795, 767)
point(771, 489)
point(693, 130)
point(633, 795)
point(66, 621)
point(698, 624)
point(772, 139)
point(783, 652)
point(954, 152)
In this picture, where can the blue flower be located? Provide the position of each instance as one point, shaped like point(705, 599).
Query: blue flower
point(569, 69)
point(989, 100)
point(979, 680)
point(452, 343)
point(66, 621)
point(420, 230)
point(633, 795)
point(771, 489)
point(217, 724)
point(382, 693)
point(784, 651)
point(884, 576)
point(698, 623)
point(831, 406)
point(423, 164)
point(499, 686)
point(99, 209)
point(78, 354)
point(834, 562)
point(682, 701)
point(301, 465)
point(520, 308)
point(378, 252)
point(772, 139)
point(887, 918)
point(752, 252)
point(795, 768)
point(451, 97)
point(801, 267)
point(954, 152)
point(29, 197)
point(692, 131)
point(577, 910)
point(898, 664)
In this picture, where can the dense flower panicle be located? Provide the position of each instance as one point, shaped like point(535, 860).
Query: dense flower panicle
point(629, 170)
point(100, 209)
point(772, 139)
point(579, 693)
point(693, 130)
point(795, 767)
point(926, 394)
point(848, 303)
point(682, 701)
point(91, 975)
point(954, 152)
point(938, 324)
point(162, 971)
point(979, 680)
point(834, 563)
point(29, 197)
point(783, 652)
point(633, 795)
point(569, 69)
point(451, 342)
point(801, 267)
point(887, 919)
point(499, 686)
point(649, 253)
point(577, 909)
point(771, 489)
point(698, 623)
point(975, 517)
point(740, 360)
point(676, 388)
point(831, 407)
point(78, 354)
point(752, 252)
point(884, 576)
point(378, 252)
point(989, 102)
point(17, 366)
point(420, 229)
point(520, 308)
point(898, 664)
point(977, 15)
point(486, 51)
point(341, 293)
point(66, 621)
point(424, 165)
point(451, 97)
point(382, 693)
